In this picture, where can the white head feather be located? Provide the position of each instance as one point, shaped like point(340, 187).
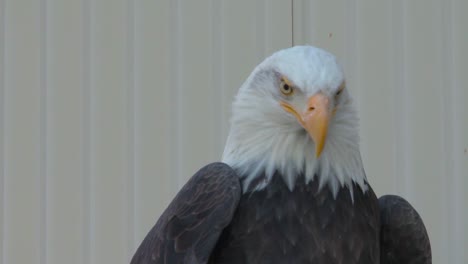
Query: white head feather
point(264, 138)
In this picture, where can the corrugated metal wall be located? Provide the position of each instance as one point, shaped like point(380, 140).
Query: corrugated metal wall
point(107, 107)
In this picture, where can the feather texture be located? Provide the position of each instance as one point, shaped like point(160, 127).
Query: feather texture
point(404, 237)
point(307, 225)
point(189, 228)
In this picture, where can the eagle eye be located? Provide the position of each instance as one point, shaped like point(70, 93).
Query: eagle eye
point(286, 88)
point(342, 86)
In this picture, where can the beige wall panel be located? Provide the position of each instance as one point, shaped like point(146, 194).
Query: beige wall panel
point(237, 54)
point(322, 24)
point(109, 138)
point(23, 171)
point(155, 179)
point(192, 92)
point(277, 25)
point(376, 94)
point(2, 127)
point(64, 142)
point(458, 214)
point(423, 65)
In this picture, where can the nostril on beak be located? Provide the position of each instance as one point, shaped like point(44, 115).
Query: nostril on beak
point(311, 108)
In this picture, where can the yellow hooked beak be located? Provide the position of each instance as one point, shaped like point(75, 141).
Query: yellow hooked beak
point(314, 119)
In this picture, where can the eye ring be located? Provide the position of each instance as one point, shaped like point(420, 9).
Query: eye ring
point(286, 88)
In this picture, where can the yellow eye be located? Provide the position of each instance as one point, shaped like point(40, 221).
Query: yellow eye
point(286, 88)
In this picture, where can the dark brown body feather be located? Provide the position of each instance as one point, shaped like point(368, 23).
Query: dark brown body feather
point(404, 238)
point(189, 228)
point(307, 225)
point(209, 221)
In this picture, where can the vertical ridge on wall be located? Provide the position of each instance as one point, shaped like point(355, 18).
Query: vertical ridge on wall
point(109, 131)
point(459, 110)
point(22, 132)
point(448, 130)
point(350, 42)
point(64, 106)
point(292, 23)
point(217, 68)
point(2, 129)
point(375, 94)
point(304, 25)
point(351, 53)
point(43, 153)
point(86, 137)
point(278, 26)
point(311, 26)
point(402, 146)
point(260, 28)
point(453, 140)
point(130, 69)
point(155, 180)
point(460, 42)
point(425, 117)
point(448, 126)
point(196, 93)
point(177, 85)
point(459, 192)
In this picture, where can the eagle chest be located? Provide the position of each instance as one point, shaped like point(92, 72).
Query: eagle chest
point(307, 225)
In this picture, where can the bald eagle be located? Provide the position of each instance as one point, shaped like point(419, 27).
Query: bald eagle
point(291, 187)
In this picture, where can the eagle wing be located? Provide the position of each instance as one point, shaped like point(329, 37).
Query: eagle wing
point(404, 237)
point(189, 228)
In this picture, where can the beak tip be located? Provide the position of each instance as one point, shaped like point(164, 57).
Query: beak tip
point(319, 146)
point(317, 155)
point(318, 152)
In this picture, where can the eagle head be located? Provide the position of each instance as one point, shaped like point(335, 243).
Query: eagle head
point(294, 116)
